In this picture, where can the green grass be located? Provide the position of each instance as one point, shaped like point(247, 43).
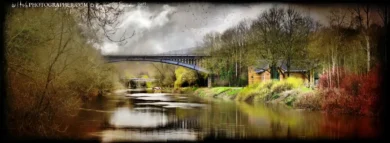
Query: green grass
point(195, 88)
point(232, 92)
point(219, 90)
point(202, 93)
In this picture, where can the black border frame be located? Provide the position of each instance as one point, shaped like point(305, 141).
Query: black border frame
point(383, 50)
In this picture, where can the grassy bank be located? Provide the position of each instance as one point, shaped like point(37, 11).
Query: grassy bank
point(290, 92)
point(183, 90)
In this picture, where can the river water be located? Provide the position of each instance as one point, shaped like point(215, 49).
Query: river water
point(163, 117)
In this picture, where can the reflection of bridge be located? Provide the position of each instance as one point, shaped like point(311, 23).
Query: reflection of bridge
point(188, 61)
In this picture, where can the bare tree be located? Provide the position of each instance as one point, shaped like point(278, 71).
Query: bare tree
point(296, 33)
point(101, 21)
point(363, 18)
point(270, 35)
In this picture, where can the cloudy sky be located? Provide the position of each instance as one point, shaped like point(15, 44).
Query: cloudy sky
point(165, 27)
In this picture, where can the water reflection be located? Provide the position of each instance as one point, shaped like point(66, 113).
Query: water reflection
point(174, 105)
point(126, 135)
point(161, 117)
point(124, 117)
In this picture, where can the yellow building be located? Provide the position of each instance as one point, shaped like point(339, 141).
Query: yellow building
point(262, 72)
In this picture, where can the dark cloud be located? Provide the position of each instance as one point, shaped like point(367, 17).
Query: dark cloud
point(161, 28)
point(166, 27)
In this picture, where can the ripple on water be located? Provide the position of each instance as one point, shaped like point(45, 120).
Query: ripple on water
point(145, 94)
point(174, 105)
point(158, 98)
point(126, 135)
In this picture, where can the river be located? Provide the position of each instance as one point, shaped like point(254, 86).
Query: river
point(163, 117)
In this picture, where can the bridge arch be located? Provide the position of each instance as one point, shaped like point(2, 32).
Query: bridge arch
point(175, 61)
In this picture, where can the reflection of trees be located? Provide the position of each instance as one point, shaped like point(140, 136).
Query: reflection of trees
point(273, 113)
point(283, 122)
point(137, 84)
point(239, 120)
point(336, 126)
point(276, 128)
point(226, 121)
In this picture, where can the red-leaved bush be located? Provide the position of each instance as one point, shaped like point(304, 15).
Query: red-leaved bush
point(354, 94)
point(352, 83)
point(331, 78)
point(370, 91)
point(337, 100)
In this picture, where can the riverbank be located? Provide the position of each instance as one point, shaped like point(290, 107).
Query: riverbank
point(293, 93)
point(331, 101)
point(290, 92)
point(292, 98)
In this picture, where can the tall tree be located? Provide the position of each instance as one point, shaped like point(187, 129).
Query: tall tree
point(269, 35)
point(296, 33)
point(364, 20)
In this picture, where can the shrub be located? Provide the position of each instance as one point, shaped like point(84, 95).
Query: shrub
point(335, 100)
point(255, 85)
point(262, 94)
point(265, 85)
point(309, 100)
point(369, 92)
point(281, 86)
point(290, 96)
point(358, 94)
point(295, 82)
point(327, 81)
point(247, 93)
point(351, 83)
point(275, 96)
point(184, 76)
point(289, 100)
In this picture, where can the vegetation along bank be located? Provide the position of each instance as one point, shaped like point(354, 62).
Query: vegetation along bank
point(293, 93)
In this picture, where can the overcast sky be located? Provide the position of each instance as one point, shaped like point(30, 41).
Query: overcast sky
point(166, 27)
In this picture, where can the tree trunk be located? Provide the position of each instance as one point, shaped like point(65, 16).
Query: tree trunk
point(240, 64)
point(236, 73)
point(338, 77)
point(329, 78)
point(368, 53)
point(288, 64)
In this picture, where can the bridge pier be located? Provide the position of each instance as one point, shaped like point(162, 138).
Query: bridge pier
point(209, 81)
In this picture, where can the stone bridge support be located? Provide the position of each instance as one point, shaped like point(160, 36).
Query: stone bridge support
point(209, 81)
